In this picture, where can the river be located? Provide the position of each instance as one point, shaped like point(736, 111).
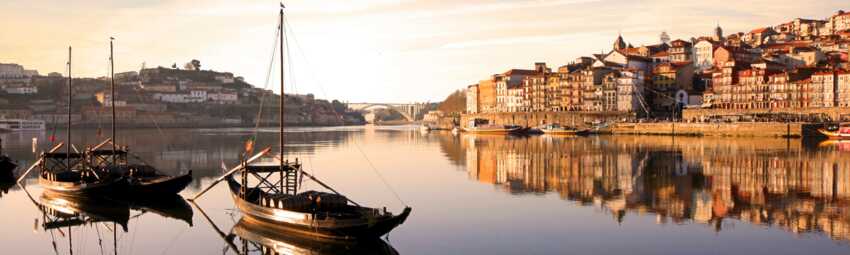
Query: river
point(481, 194)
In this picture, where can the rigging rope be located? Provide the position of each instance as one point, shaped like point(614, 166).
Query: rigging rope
point(322, 89)
point(266, 84)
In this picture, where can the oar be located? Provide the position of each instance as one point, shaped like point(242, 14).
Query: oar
point(40, 160)
point(108, 140)
point(228, 173)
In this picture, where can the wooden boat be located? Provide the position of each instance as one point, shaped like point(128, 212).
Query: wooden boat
point(483, 126)
point(314, 214)
point(7, 168)
point(143, 180)
point(65, 174)
point(836, 131)
point(555, 129)
point(70, 174)
point(274, 201)
point(272, 241)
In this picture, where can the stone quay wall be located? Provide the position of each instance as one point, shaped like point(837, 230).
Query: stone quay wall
point(738, 129)
point(834, 113)
point(534, 119)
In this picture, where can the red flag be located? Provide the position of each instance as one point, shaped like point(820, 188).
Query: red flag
point(249, 146)
point(52, 138)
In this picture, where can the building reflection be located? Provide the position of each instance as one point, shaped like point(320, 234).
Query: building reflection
point(680, 180)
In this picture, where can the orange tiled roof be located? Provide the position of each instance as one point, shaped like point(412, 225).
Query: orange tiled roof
point(759, 30)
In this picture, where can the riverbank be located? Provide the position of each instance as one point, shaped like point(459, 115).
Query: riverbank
point(581, 119)
point(735, 129)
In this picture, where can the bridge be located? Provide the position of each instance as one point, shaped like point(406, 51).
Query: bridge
point(410, 112)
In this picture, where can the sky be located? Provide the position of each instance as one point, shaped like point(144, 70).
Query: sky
point(387, 51)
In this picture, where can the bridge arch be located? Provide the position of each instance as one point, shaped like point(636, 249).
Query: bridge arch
point(408, 114)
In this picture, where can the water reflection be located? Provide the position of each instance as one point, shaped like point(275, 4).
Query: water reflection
point(681, 180)
point(64, 217)
point(250, 237)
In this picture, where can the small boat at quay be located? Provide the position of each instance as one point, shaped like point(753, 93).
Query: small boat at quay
point(7, 166)
point(556, 129)
point(836, 131)
point(482, 126)
point(265, 188)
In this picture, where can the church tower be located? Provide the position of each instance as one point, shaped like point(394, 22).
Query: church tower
point(718, 33)
point(619, 44)
point(665, 38)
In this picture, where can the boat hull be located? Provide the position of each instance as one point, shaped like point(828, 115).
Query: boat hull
point(834, 135)
point(492, 130)
point(566, 132)
point(167, 185)
point(7, 168)
point(104, 188)
point(306, 225)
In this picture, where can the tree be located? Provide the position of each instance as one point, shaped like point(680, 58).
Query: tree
point(194, 65)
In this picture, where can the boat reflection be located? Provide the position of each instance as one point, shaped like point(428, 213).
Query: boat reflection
point(249, 237)
point(63, 216)
point(771, 182)
point(255, 239)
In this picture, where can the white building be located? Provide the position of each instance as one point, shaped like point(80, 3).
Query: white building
point(223, 97)
point(630, 91)
point(703, 54)
point(195, 96)
point(843, 88)
point(472, 99)
point(21, 90)
point(515, 99)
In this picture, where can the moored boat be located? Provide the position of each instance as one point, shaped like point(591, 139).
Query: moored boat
point(556, 129)
point(7, 166)
point(267, 193)
point(482, 126)
point(836, 131)
point(143, 180)
point(311, 214)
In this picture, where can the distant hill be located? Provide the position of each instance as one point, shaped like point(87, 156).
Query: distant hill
point(454, 103)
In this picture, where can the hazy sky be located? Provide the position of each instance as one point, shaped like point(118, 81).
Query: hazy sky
point(364, 50)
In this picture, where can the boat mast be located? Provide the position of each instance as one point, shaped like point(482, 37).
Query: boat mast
point(112, 96)
point(282, 96)
point(68, 146)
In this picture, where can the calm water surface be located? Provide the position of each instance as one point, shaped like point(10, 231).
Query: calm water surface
point(479, 194)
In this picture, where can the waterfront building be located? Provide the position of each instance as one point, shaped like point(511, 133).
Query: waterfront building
point(680, 51)
point(553, 91)
point(534, 89)
point(630, 91)
point(472, 99)
point(507, 100)
point(487, 95)
point(824, 87)
point(843, 86)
